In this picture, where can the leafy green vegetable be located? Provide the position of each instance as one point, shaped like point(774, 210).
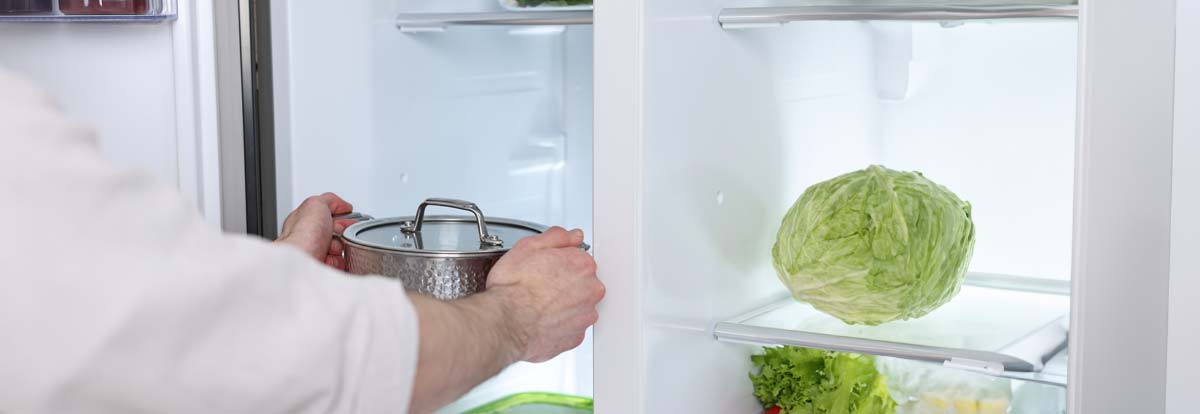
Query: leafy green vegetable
point(552, 3)
point(875, 245)
point(811, 381)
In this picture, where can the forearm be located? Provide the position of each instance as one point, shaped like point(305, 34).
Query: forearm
point(462, 343)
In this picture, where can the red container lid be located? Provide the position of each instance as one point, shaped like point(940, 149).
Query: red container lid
point(119, 7)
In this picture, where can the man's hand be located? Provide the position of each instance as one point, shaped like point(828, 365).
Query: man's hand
point(540, 298)
point(311, 228)
point(550, 289)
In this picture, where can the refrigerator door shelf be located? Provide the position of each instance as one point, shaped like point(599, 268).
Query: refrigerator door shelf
point(430, 22)
point(754, 17)
point(995, 331)
point(146, 11)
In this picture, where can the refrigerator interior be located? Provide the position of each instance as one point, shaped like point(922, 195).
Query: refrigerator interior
point(739, 122)
point(499, 116)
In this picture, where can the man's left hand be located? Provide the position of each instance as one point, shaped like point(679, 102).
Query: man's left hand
point(311, 228)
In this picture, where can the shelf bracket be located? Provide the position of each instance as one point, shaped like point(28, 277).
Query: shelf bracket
point(987, 367)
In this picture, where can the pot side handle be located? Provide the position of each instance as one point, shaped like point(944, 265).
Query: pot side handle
point(354, 216)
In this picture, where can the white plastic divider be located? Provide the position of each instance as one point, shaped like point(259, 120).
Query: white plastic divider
point(1122, 242)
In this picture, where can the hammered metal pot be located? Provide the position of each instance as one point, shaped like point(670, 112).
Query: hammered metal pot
point(441, 277)
point(446, 257)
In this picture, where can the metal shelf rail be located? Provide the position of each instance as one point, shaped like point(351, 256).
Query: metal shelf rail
point(752, 17)
point(425, 22)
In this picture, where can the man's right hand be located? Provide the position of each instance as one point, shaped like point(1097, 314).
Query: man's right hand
point(550, 292)
point(541, 297)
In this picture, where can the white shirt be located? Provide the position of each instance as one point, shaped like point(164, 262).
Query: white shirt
point(116, 297)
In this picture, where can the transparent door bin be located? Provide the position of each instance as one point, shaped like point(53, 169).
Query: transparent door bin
point(545, 5)
point(536, 403)
point(87, 10)
point(923, 388)
point(23, 7)
point(1001, 332)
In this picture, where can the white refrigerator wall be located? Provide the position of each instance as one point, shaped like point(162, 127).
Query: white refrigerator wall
point(990, 114)
point(148, 90)
point(498, 116)
point(738, 123)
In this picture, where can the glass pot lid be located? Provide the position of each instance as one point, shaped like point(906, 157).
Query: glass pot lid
point(442, 235)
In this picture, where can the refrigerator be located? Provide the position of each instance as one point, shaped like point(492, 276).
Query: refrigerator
point(677, 133)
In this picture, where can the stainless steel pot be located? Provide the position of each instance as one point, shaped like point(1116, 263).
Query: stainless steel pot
point(447, 257)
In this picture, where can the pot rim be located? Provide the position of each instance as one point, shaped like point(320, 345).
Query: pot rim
point(364, 225)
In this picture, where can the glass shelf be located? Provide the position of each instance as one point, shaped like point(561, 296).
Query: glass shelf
point(997, 331)
point(426, 22)
point(146, 11)
point(753, 17)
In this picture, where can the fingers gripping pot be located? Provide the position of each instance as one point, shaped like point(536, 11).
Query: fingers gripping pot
point(447, 257)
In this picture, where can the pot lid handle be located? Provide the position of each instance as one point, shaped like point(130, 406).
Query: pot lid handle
point(484, 237)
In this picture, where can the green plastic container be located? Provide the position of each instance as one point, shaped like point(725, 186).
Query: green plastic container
point(536, 403)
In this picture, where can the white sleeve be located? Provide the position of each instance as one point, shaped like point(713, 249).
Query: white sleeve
point(117, 297)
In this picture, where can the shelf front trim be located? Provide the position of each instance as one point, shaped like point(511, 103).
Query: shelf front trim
point(748, 17)
point(735, 332)
point(66, 18)
point(413, 22)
